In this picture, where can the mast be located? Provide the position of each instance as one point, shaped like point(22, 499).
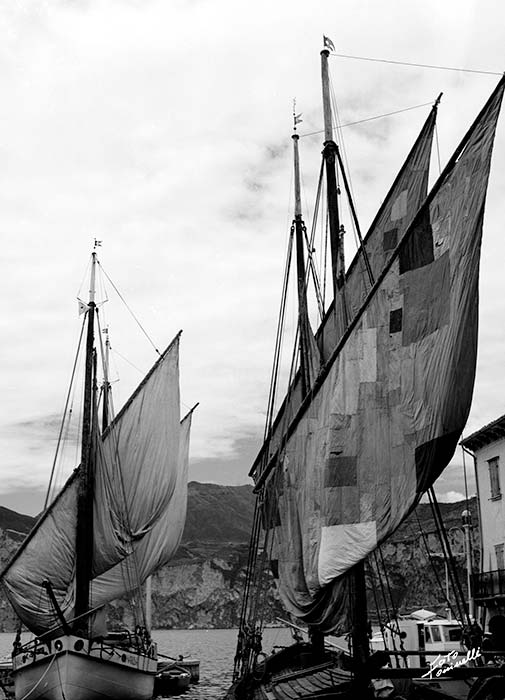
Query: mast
point(466, 517)
point(149, 603)
point(84, 529)
point(359, 615)
point(330, 157)
point(303, 315)
point(106, 383)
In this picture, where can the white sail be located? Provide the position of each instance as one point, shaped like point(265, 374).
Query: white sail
point(159, 545)
point(137, 465)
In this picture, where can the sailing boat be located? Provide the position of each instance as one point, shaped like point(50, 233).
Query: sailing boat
point(374, 410)
point(118, 519)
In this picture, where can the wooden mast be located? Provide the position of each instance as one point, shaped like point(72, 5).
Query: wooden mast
point(106, 383)
point(359, 614)
point(84, 529)
point(330, 157)
point(303, 314)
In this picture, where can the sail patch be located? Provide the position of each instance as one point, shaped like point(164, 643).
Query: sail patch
point(427, 300)
point(395, 320)
point(342, 546)
point(417, 250)
point(340, 471)
point(390, 240)
point(399, 208)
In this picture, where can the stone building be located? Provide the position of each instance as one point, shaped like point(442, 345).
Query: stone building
point(487, 446)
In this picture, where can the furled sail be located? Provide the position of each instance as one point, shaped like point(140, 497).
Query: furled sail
point(384, 419)
point(400, 205)
point(137, 467)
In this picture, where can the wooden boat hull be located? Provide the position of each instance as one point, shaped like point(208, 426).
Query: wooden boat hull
point(71, 668)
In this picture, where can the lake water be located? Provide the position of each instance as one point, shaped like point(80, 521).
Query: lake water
point(214, 648)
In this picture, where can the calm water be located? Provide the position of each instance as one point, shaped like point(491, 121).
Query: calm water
point(214, 648)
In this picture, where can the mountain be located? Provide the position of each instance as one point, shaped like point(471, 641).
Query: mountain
point(15, 524)
point(202, 586)
point(218, 513)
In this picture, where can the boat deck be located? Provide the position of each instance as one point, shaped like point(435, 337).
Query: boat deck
point(311, 683)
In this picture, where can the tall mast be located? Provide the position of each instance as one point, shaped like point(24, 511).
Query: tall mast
point(84, 529)
point(359, 631)
point(330, 157)
point(303, 314)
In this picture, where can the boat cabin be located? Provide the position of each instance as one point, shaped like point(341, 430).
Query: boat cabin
point(420, 630)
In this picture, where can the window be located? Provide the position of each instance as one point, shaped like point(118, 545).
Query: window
point(494, 477)
point(500, 556)
point(435, 634)
point(452, 634)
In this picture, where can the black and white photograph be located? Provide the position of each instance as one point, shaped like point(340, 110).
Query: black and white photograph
point(252, 414)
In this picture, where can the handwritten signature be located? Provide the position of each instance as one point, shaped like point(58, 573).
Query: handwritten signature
point(443, 664)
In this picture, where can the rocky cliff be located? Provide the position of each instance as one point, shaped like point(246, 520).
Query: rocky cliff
point(202, 586)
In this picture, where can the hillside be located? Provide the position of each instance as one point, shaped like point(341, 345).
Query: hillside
point(218, 513)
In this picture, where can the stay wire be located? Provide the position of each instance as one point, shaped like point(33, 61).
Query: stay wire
point(384, 598)
point(63, 421)
point(416, 65)
point(446, 547)
point(369, 119)
point(393, 606)
point(129, 309)
point(454, 612)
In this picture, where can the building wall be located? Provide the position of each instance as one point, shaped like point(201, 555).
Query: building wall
point(492, 510)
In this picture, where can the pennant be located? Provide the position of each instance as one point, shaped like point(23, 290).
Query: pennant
point(328, 43)
point(298, 118)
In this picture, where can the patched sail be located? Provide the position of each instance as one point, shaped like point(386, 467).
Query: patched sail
point(384, 420)
point(136, 476)
point(399, 207)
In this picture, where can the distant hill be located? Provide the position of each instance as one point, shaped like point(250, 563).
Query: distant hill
point(218, 513)
point(15, 523)
point(221, 514)
point(215, 513)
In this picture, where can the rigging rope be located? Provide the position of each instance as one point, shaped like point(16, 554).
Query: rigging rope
point(129, 309)
point(432, 564)
point(446, 547)
point(416, 65)
point(62, 426)
point(369, 119)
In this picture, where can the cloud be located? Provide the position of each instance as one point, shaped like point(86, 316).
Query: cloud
point(451, 497)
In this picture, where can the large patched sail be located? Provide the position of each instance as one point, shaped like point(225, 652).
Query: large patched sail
point(137, 482)
point(384, 419)
point(403, 200)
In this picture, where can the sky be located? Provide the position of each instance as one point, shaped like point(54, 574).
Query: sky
point(163, 130)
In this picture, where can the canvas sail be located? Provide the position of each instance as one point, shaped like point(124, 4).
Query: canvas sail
point(403, 200)
point(136, 475)
point(385, 418)
point(159, 545)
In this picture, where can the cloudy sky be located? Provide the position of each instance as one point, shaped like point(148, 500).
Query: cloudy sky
point(163, 129)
